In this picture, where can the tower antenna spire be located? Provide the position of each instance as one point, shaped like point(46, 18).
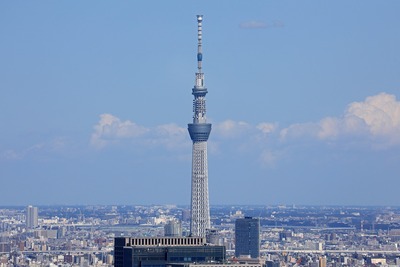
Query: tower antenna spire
point(199, 74)
point(199, 132)
point(199, 42)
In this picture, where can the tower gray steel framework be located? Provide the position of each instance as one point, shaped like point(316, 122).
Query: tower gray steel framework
point(199, 132)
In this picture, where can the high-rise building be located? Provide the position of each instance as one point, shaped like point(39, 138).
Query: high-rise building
point(31, 217)
point(247, 237)
point(199, 132)
point(173, 228)
point(212, 236)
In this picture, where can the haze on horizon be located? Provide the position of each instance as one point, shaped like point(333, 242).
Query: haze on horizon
point(303, 97)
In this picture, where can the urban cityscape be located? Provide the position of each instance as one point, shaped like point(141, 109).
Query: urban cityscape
point(200, 233)
point(287, 235)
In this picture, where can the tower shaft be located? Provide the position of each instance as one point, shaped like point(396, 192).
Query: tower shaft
point(199, 132)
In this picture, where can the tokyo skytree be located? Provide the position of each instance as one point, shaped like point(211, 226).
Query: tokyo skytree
point(199, 131)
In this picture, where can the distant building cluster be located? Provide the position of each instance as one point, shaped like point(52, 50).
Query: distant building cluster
point(288, 236)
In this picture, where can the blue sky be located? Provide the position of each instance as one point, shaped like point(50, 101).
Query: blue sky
point(303, 97)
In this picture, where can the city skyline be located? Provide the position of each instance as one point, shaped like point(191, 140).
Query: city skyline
point(305, 102)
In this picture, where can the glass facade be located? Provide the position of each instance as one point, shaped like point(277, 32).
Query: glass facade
point(247, 237)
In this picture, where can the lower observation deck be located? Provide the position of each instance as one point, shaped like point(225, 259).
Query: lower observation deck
point(199, 132)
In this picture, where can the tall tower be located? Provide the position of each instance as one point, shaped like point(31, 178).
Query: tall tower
point(199, 131)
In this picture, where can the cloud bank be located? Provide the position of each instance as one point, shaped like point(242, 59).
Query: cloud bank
point(58, 145)
point(372, 123)
point(111, 130)
point(377, 119)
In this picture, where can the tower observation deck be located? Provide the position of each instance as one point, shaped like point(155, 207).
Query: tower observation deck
point(199, 132)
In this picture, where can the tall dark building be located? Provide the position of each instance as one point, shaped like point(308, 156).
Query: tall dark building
point(247, 237)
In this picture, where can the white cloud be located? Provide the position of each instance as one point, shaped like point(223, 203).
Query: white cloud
point(269, 157)
point(299, 130)
point(266, 128)
point(11, 155)
point(110, 129)
point(171, 129)
point(240, 137)
point(56, 145)
point(172, 136)
point(381, 114)
point(375, 120)
point(329, 127)
point(253, 24)
point(377, 117)
point(231, 129)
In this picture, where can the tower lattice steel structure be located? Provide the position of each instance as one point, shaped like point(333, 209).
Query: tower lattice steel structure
point(199, 132)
